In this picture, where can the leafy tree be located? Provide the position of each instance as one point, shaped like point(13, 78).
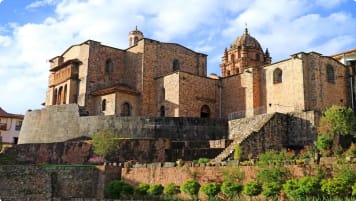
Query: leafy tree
point(210, 189)
point(271, 189)
point(118, 189)
point(155, 189)
point(231, 189)
point(104, 142)
point(171, 189)
point(337, 120)
point(191, 187)
point(141, 189)
point(252, 188)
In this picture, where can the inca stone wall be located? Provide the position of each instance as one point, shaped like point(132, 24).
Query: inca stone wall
point(28, 182)
point(62, 122)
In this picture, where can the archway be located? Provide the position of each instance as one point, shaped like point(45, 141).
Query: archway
point(205, 111)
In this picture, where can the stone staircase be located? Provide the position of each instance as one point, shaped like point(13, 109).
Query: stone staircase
point(239, 130)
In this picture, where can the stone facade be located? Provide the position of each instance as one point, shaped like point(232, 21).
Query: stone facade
point(153, 78)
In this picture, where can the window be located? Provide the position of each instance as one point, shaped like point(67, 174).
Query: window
point(125, 109)
point(205, 111)
point(103, 105)
point(18, 125)
point(109, 66)
point(257, 57)
point(330, 74)
point(233, 58)
point(162, 111)
point(277, 76)
point(135, 40)
point(175, 65)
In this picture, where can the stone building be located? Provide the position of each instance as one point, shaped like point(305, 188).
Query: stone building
point(10, 126)
point(153, 78)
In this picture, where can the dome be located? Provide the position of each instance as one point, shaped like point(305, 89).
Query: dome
point(247, 41)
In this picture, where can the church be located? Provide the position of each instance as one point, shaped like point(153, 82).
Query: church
point(157, 79)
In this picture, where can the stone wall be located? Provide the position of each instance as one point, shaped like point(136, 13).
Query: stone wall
point(62, 122)
point(53, 182)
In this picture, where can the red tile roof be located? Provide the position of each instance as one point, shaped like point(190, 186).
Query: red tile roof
point(3, 113)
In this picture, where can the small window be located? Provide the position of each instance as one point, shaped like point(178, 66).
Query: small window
point(277, 76)
point(103, 105)
point(232, 58)
point(175, 65)
point(257, 57)
point(162, 111)
point(125, 109)
point(205, 111)
point(330, 74)
point(18, 125)
point(109, 66)
point(135, 40)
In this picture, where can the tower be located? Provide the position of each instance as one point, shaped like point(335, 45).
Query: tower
point(243, 53)
point(134, 37)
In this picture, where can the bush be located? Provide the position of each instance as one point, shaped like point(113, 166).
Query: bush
point(304, 187)
point(118, 189)
point(233, 174)
point(231, 189)
point(334, 187)
point(237, 152)
point(354, 189)
point(252, 188)
point(141, 189)
point(269, 158)
point(323, 142)
point(104, 142)
point(171, 189)
point(155, 189)
point(271, 189)
point(190, 187)
point(210, 189)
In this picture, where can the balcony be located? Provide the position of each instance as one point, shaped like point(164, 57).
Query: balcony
point(3, 126)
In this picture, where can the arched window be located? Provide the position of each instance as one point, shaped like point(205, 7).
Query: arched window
point(135, 40)
point(205, 111)
point(330, 73)
point(162, 111)
point(175, 65)
point(126, 109)
point(277, 76)
point(103, 105)
point(232, 58)
point(59, 97)
point(109, 66)
point(257, 57)
point(54, 100)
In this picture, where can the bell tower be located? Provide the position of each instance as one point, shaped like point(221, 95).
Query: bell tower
point(134, 37)
point(244, 53)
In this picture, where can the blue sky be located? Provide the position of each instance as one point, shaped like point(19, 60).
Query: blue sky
point(32, 32)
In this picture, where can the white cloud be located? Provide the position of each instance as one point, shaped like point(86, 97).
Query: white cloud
point(41, 3)
point(284, 26)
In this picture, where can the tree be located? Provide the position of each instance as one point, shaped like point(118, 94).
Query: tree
point(210, 189)
point(155, 189)
point(252, 188)
point(354, 189)
point(171, 189)
point(104, 142)
point(119, 189)
point(191, 187)
point(231, 189)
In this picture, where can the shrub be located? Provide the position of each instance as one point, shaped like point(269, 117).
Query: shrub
point(252, 188)
point(233, 174)
point(190, 187)
point(231, 189)
point(291, 188)
point(155, 189)
point(354, 189)
point(141, 189)
point(203, 160)
point(237, 152)
point(334, 187)
point(118, 189)
point(309, 186)
point(171, 189)
point(271, 189)
point(323, 142)
point(210, 189)
point(270, 157)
